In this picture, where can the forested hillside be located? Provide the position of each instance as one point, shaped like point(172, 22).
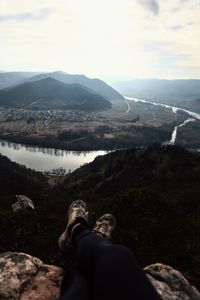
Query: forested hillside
point(49, 93)
point(153, 192)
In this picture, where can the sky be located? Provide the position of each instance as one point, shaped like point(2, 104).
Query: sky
point(107, 39)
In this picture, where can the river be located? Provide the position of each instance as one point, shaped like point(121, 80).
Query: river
point(46, 159)
point(192, 115)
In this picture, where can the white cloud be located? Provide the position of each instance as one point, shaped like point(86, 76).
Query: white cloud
point(103, 38)
point(152, 5)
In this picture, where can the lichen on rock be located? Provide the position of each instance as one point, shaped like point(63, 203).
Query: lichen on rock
point(25, 277)
point(170, 283)
point(22, 203)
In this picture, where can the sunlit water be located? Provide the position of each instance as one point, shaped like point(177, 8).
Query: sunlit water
point(44, 159)
point(172, 141)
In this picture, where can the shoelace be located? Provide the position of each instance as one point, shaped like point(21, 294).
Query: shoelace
point(105, 226)
point(77, 211)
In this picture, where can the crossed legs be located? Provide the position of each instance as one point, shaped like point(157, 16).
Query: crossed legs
point(106, 271)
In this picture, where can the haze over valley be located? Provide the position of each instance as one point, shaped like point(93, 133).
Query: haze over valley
point(150, 56)
point(100, 101)
point(75, 112)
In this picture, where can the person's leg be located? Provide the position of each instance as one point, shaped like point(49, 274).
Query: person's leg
point(112, 269)
point(119, 276)
point(88, 244)
point(75, 286)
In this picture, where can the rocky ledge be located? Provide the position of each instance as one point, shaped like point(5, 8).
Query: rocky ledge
point(170, 283)
point(24, 277)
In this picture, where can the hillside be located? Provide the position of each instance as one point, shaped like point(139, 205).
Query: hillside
point(165, 169)
point(16, 179)
point(96, 85)
point(153, 192)
point(50, 93)
point(184, 93)
point(8, 79)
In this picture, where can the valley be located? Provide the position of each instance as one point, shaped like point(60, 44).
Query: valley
point(74, 112)
point(61, 153)
point(143, 188)
point(127, 124)
point(99, 102)
point(78, 130)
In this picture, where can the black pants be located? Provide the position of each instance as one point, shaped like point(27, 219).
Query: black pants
point(106, 271)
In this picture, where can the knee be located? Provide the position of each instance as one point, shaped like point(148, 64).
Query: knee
point(117, 253)
point(123, 251)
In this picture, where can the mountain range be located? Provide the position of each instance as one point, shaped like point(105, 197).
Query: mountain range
point(96, 85)
point(49, 93)
point(18, 90)
point(8, 79)
point(185, 93)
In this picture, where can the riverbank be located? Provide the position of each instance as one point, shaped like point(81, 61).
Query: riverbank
point(186, 132)
point(104, 138)
point(141, 124)
point(53, 161)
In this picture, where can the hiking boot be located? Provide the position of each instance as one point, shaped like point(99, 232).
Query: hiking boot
point(105, 225)
point(77, 214)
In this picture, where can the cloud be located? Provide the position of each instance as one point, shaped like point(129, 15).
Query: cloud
point(147, 42)
point(26, 16)
point(151, 5)
point(176, 27)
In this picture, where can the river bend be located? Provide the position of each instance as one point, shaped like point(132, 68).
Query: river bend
point(192, 115)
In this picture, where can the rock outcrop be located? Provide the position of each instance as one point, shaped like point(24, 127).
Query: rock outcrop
point(170, 283)
point(23, 277)
point(22, 203)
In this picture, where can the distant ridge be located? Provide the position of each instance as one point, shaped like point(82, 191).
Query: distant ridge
point(96, 85)
point(8, 79)
point(49, 93)
point(174, 88)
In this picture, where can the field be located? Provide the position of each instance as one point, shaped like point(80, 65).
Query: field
point(125, 125)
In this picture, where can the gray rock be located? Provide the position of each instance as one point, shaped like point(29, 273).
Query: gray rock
point(22, 203)
point(170, 283)
point(23, 277)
